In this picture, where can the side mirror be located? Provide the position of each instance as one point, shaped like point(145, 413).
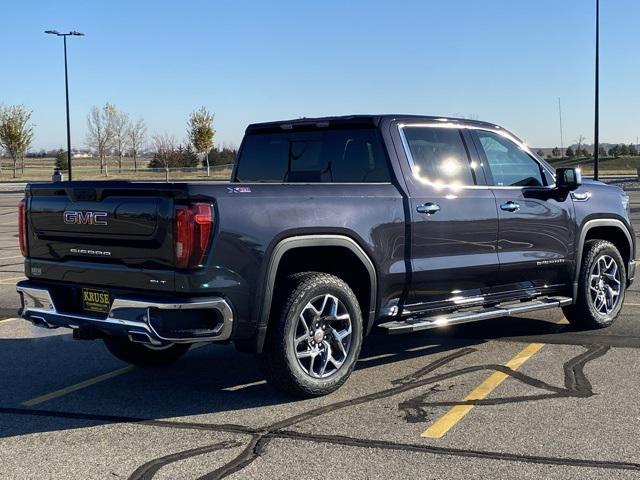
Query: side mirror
point(568, 178)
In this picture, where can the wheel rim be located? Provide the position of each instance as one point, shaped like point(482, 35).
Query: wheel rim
point(604, 284)
point(322, 338)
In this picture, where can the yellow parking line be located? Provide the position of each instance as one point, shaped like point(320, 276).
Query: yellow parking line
point(455, 414)
point(76, 387)
point(10, 280)
point(87, 383)
point(235, 388)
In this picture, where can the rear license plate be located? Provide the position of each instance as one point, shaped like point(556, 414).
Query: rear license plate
point(97, 301)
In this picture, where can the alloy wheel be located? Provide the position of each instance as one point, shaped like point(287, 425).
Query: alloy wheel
point(322, 338)
point(604, 284)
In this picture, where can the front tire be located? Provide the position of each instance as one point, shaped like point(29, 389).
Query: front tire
point(601, 287)
point(146, 356)
point(314, 341)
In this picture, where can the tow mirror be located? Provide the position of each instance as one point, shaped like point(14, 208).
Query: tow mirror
point(568, 178)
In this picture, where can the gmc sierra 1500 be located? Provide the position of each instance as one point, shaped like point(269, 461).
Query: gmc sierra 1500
point(328, 227)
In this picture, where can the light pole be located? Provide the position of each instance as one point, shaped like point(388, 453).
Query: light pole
point(596, 145)
point(66, 87)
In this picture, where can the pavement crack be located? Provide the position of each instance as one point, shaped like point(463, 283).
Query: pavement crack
point(148, 470)
point(576, 385)
point(252, 451)
point(457, 452)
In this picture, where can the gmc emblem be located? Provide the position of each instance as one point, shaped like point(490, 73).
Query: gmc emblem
point(73, 217)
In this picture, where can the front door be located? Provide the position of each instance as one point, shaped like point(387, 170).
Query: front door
point(454, 220)
point(537, 235)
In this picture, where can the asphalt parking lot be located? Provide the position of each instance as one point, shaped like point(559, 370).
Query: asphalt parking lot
point(523, 397)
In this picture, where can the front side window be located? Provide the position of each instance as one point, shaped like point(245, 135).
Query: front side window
point(439, 155)
point(341, 155)
point(510, 165)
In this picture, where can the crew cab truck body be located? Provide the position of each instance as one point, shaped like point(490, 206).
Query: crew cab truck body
point(328, 228)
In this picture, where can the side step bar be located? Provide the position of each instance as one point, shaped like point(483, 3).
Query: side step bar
point(414, 324)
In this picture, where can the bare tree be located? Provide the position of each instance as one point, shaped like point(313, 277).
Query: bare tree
point(137, 136)
point(100, 131)
point(200, 132)
point(163, 145)
point(16, 132)
point(121, 127)
point(580, 141)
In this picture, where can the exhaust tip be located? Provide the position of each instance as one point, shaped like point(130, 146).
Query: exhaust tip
point(144, 338)
point(41, 322)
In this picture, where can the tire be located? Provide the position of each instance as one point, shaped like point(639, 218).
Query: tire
point(143, 355)
point(309, 302)
point(589, 312)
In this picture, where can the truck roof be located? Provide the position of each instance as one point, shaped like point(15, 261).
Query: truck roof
point(359, 120)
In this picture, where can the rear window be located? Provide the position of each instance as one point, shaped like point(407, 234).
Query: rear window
point(353, 155)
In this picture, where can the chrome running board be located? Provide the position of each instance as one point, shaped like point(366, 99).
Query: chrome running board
point(416, 324)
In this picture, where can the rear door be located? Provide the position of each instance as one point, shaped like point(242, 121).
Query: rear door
point(453, 219)
point(537, 233)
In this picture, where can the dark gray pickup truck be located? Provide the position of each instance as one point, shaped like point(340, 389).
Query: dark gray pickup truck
point(329, 227)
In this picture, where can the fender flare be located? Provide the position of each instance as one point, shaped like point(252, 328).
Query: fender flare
point(313, 240)
point(590, 224)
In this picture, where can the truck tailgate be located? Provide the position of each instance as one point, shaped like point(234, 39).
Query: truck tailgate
point(117, 226)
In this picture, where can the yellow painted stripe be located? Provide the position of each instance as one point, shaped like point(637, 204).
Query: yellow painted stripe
point(10, 280)
point(455, 414)
point(76, 387)
point(235, 388)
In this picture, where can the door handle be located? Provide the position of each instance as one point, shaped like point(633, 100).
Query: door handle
point(510, 206)
point(428, 208)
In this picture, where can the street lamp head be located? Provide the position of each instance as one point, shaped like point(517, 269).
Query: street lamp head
point(73, 32)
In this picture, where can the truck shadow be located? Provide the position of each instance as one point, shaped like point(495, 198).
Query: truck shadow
point(210, 380)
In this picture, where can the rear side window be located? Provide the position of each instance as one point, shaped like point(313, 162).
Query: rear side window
point(510, 165)
point(439, 155)
point(353, 155)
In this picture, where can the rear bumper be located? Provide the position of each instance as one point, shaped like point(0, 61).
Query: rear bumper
point(127, 316)
point(631, 272)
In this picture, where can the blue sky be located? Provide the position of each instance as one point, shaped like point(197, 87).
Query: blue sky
point(248, 61)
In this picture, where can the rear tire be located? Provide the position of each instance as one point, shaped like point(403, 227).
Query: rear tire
point(601, 287)
point(146, 356)
point(314, 337)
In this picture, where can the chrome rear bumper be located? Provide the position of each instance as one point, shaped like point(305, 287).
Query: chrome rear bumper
point(127, 316)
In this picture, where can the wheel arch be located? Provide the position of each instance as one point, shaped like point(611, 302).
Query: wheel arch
point(299, 243)
point(609, 229)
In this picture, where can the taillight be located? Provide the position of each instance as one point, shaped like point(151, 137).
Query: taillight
point(22, 226)
point(193, 227)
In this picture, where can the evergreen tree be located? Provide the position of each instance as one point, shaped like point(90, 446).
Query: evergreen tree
point(62, 162)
